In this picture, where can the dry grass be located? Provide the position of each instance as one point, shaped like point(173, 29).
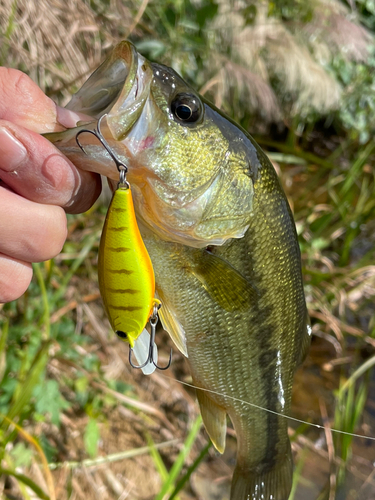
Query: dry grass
point(60, 42)
point(294, 54)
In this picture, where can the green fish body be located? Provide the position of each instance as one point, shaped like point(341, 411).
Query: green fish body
point(222, 240)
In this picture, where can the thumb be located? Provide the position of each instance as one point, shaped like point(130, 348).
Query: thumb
point(24, 103)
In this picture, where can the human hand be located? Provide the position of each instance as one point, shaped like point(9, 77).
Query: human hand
point(38, 184)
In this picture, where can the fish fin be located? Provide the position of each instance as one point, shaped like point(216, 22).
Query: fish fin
point(141, 351)
point(173, 327)
point(306, 341)
point(274, 483)
point(214, 419)
point(224, 283)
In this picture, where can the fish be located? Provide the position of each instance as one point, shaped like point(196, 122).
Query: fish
point(221, 237)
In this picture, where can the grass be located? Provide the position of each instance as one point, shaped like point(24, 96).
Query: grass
point(67, 395)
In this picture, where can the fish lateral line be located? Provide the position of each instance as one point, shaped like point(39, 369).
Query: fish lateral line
point(288, 417)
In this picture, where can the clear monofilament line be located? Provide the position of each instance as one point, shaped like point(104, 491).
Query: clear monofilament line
point(288, 417)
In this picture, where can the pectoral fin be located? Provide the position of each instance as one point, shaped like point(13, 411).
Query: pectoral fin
point(214, 419)
point(223, 283)
point(172, 326)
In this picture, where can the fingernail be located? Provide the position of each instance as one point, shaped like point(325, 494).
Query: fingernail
point(12, 152)
point(69, 119)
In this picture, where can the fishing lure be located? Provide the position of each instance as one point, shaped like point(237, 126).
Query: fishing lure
point(126, 275)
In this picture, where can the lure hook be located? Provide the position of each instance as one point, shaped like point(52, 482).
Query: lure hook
point(121, 167)
point(150, 359)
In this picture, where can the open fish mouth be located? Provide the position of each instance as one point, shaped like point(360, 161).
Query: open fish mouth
point(118, 88)
point(186, 188)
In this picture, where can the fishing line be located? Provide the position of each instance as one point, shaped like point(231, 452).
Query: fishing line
point(318, 426)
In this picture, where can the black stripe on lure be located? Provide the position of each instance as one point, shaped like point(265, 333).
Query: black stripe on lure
point(126, 275)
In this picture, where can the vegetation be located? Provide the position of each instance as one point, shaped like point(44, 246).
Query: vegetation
point(76, 421)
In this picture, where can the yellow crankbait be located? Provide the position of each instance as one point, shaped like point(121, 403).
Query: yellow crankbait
point(126, 275)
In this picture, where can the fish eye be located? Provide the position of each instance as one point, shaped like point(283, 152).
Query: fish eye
point(186, 108)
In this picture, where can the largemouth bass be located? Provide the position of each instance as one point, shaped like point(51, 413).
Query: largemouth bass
point(222, 240)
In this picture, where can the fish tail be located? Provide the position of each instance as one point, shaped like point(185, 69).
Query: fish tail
point(269, 484)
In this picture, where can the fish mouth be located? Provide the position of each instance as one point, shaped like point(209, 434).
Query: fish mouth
point(119, 88)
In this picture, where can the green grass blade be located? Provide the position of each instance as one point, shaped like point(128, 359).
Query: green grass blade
point(179, 463)
point(285, 158)
point(360, 402)
point(298, 473)
point(185, 478)
point(76, 263)
point(27, 386)
point(27, 481)
point(114, 457)
point(3, 339)
point(356, 169)
point(46, 312)
point(158, 461)
point(11, 20)
point(299, 153)
point(358, 373)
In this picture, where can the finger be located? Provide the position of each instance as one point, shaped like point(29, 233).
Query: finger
point(30, 232)
point(24, 103)
point(35, 169)
point(15, 277)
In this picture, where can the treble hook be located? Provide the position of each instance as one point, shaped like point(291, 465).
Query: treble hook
point(150, 359)
point(121, 167)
